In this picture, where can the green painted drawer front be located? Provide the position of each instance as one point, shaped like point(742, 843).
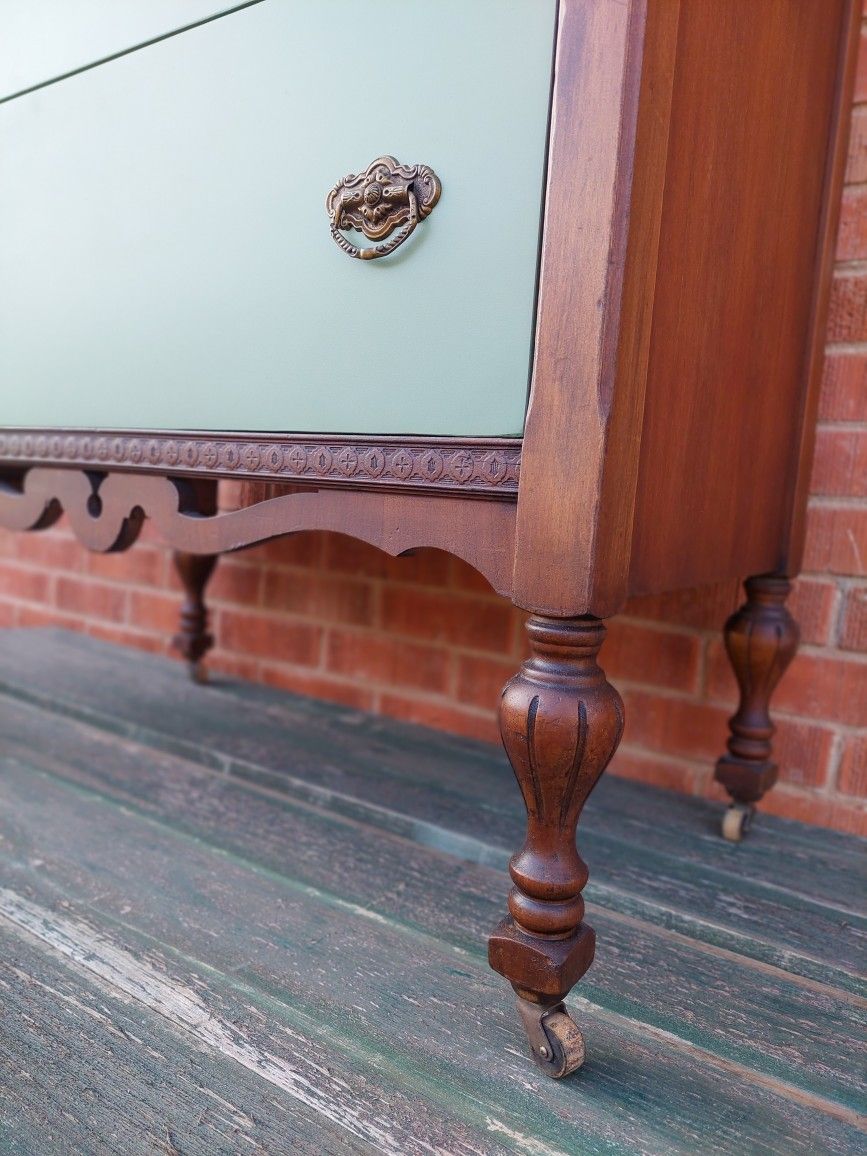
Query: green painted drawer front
point(43, 39)
point(165, 249)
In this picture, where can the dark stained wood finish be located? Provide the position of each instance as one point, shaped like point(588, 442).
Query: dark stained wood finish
point(481, 467)
point(761, 640)
point(561, 722)
point(193, 638)
point(593, 320)
point(695, 157)
point(760, 100)
point(107, 512)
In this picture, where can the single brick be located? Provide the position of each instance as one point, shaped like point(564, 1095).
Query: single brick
point(636, 653)
point(827, 687)
point(143, 565)
point(840, 464)
point(678, 726)
point(386, 661)
point(853, 624)
point(319, 595)
point(852, 237)
point(57, 549)
point(813, 603)
point(154, 611)
point(844, 388)
point(480, 679)
point(856, 165)
point(24, 584)
point(239, 583)
point(459, 620)
point(802, 751)
point(860, 93)
point(847, 312)
point(852, 776)
point(836, 540)
point(268, 636)
point(91, 599)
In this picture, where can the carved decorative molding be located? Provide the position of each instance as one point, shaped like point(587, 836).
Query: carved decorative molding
point(107, 511)
point(479, 467)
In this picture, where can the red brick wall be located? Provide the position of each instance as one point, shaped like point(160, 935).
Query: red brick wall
point(425, 639)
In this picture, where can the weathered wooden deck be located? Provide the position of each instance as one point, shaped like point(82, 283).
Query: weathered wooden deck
point(238, 921)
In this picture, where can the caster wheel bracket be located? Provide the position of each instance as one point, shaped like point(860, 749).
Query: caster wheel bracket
point(737, 821)
point(556, 1043)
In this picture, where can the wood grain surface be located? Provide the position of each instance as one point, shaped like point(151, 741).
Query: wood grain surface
point(239, 920)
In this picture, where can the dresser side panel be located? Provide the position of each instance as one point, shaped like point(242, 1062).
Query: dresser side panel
point(755, 93)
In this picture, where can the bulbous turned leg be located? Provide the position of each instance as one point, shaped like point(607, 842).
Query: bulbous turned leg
point(761, 639)
point(193, 639)
point(561, 722)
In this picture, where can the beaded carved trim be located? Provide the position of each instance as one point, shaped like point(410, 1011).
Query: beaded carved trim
point(469, 466)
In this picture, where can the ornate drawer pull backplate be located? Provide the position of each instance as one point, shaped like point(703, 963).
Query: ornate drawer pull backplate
point(389, 196)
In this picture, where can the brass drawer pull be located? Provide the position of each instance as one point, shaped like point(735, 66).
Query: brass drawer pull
point(389, 196)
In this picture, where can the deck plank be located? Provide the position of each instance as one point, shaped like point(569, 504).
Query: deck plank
point(86, 1069)
point(285, 891)
point(669, 868)
point(807, 1032)
point(308, 957)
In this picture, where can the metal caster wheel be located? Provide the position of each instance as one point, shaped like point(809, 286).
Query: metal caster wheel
point(737, 821)
point(198, 673)
point(556, 1043)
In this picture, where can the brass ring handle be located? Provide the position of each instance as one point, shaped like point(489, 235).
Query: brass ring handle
point(386, 202)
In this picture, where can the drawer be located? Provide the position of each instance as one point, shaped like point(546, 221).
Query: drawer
point(44, 39)
point(167, 254)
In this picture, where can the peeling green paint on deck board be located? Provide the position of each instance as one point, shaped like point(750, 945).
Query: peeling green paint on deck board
point(442, 791)
point(220, 878)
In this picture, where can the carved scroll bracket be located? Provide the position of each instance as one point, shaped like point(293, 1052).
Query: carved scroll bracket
point(107, 511)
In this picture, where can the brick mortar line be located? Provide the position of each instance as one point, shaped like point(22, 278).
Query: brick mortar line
point(858, 348)
point(846, 585)
point(220, 606)
point(835, 761)
point(421, 694)
point(825, 501)
point(727, 704)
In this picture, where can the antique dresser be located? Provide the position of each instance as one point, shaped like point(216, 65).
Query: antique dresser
point(539, 283)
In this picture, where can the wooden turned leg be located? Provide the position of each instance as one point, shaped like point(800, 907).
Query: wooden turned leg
point(193, 639)
point(561, 722)
point(761, 639)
